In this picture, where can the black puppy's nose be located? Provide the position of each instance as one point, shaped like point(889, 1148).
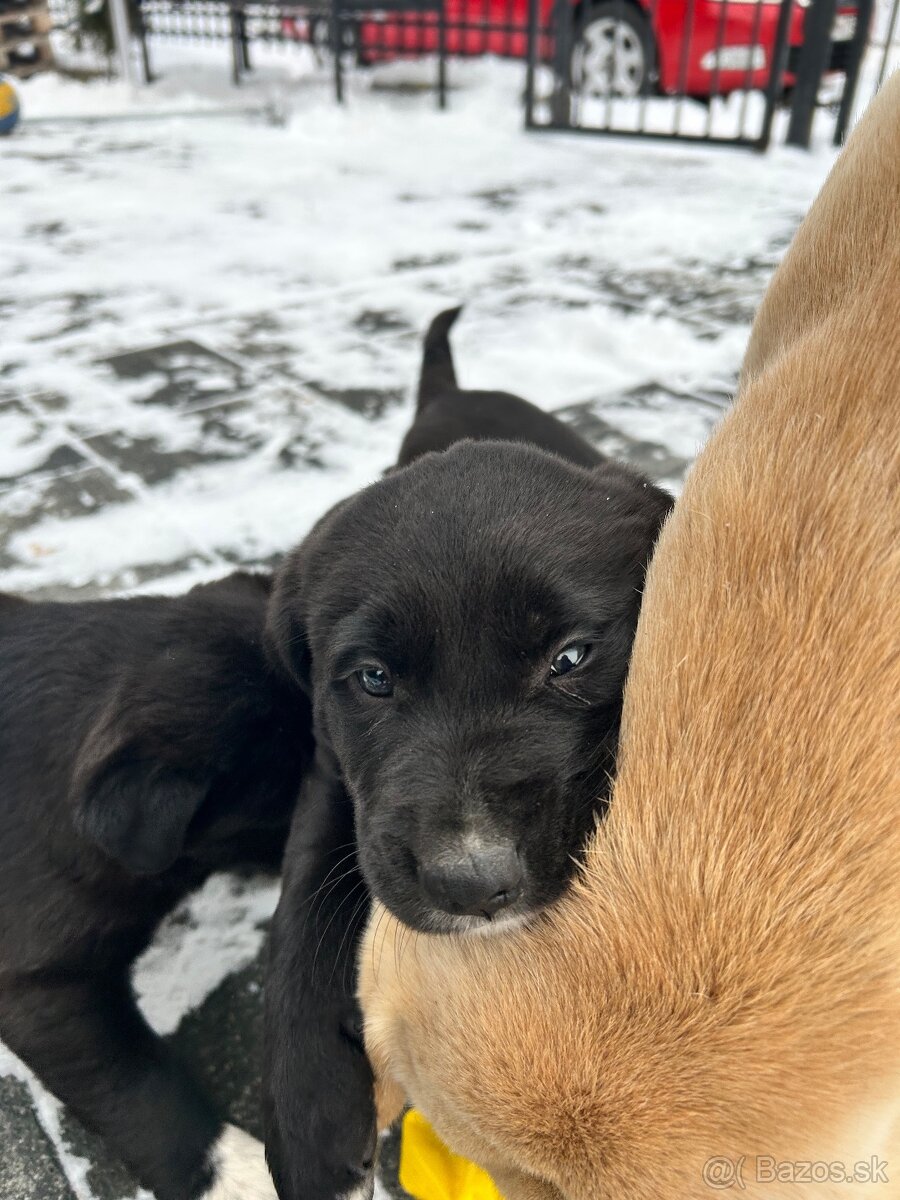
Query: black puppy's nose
point(477, 883)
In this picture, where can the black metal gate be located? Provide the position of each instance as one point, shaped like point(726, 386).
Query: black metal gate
point(711, 71)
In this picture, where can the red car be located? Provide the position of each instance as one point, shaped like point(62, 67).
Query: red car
point(623, 47)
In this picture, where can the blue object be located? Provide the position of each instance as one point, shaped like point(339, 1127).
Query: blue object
point(9, 106)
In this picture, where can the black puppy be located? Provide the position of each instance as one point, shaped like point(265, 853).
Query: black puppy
point(446, 413)
point(463, 628)
point(144, 744)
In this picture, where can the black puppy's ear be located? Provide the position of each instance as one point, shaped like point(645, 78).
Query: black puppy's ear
point(292, 598)
point(134, 807)
point(286, 634)
point(649, 504)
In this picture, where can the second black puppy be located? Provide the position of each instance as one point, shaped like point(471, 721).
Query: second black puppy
point(144, 744)
point(447, 413)
point(463, 628)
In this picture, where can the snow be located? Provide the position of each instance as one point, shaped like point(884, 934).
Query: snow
point(212, 225)
point(308, 252)
point(218, 931)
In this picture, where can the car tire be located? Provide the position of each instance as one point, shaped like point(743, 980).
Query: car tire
point(613, 51)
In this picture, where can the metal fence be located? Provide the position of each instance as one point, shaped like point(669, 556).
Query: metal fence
point(693, 70)
point(715, 71)
point(362, 35)
point(344, 36)
point(885, 40)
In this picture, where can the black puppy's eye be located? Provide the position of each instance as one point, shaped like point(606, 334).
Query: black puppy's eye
point(568, 659)
point(375, 680)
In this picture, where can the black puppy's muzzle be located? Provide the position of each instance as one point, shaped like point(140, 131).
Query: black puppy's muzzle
point(477, 880)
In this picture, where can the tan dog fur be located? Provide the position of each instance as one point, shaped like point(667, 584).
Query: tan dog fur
point(724, 976)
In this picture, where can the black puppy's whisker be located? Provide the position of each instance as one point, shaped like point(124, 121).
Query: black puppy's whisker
point(314, 914)
point(415, 944)
point(359, 894)
point(350, 853)
point(341, 904)
point(397, 940)
point(412, 936)
point(381, 915)
point(597, 783)
point(328, 877)
point(403, 934)
point(360, 904)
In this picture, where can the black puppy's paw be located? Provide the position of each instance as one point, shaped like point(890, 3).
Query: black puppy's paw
point(321, 1142)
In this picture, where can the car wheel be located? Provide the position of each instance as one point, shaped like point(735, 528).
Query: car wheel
point(613, 54)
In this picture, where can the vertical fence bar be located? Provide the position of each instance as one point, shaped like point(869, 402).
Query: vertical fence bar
point(334, 38)
point(855, 54)
point(814, 55)
point(561, 115)
point(534, 17)
point(776, 72)
point(714, 82)
point(652, 67)
point(888, 43)
point(244, 39)
point(442, 54)
point(683, 65)
point(236, 59)
point(613, 64)
point(118, 18)
point(141, 28)
point(748, 73)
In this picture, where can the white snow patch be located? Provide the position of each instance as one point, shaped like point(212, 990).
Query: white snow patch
point(215, 932)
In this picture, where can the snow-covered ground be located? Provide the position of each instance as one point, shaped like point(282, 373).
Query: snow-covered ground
point(210, 328)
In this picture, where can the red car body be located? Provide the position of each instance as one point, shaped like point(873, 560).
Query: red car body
point(700, 46)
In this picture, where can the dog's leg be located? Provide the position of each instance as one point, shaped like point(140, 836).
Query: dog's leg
point(318, 1085)
point(88, 1043)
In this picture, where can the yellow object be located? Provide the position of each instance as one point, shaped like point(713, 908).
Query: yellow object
point(429, 1171)
point(9, 106)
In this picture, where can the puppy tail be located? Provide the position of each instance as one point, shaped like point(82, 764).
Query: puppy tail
point(437, 358)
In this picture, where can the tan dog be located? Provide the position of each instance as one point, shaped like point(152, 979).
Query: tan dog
point(723, 980)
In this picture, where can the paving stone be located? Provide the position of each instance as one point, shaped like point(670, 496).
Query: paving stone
point(181, 374)
point(147, 577)
point(30, 447)
point(221, 1042)
point(373, 321)
point(36, 497)
point(106, 1177)
point(652, 458)
point(369, 402)
point(706, 301)
point(29, 1167)
point(613, 424)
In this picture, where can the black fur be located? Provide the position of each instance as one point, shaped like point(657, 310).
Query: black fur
point(447, 414)
point(464, 574)
point(144, 744)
